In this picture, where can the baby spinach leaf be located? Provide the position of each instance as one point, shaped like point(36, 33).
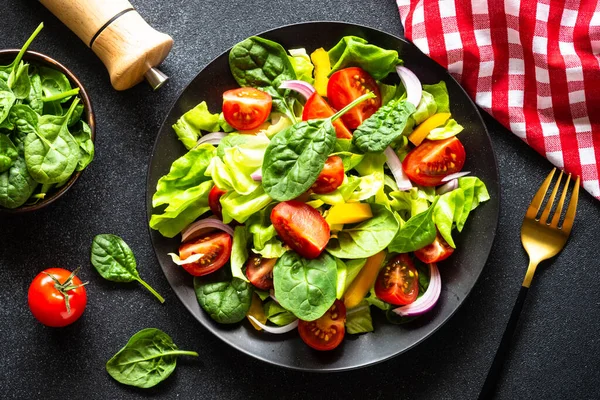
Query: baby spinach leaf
point(51, 152)
point(367, 238)
point(281, 103)
point(34, 99)
point(114, 261)
point(259, 62)
point(54, 83)
point(76, 116)
point(239, 252)
point(7, 99)
point(24, 119)
point(8, 152)
point(7, 70)
point(16, 185)
point(417, 232)
point(147, 359)
point(352, 51)
point(227, 301)
point(277, 314)
point(19, 81)
point(83, 136)
point(307, 288)
point(378, 131)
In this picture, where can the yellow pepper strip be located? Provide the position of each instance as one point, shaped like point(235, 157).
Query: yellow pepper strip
point(363, 282)
point(336, 227)
point(348, 213)
point(257, 311)
point(320, 59)
point(419, 134)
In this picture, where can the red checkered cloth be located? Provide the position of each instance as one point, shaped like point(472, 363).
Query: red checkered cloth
point(533, 65)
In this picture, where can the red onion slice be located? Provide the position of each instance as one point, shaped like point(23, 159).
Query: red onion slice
point(455, 175)
point(304, 88)
point(414, 91)
point(395, 166)
point(257, 175)
point(205, 225)
point(275, 329)
point(191, 259)
point(212, 138)
point(429, 298)
point(447, 187)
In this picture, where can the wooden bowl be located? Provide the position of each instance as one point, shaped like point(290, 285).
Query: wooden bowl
point(32, 57)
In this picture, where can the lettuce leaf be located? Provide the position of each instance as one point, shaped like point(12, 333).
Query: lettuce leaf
point(189, 125)
point(358, 319)
point(302, 65)
point(277, 314)
point(353, 51)
point(451, 128)
point(426, 108)
point(240, 207)
point(440, 94)
point(264, 236)
point(239, 252)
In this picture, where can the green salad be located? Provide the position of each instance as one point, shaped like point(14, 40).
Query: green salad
point(326, 189)
point(43, 140)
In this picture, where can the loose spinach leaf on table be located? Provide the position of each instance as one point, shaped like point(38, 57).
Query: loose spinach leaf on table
point(307, 288)
point(367, 238)
point(147, 359)
point(8, 152)
point(226, 300)
point(51, 152)
point(114, 261)
point(417, 232)
point(383, 127)
point(352, 51)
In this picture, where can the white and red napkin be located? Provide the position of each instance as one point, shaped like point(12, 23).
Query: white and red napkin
point(533, 65)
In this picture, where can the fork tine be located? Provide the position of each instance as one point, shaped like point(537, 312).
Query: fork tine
point(534, 207)
point(561, 203)
point(544, 218)
point(570, 215)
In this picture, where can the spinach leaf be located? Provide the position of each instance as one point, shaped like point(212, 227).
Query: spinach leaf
point(83, 136)
point(417, 232)
point(7, 99)
point(281, 103)
point(34, 99)
point(114, 261)
point(378, 131)
point(226, 300)
point(54, 83)
point(352, 51)
point(239, 252)
point(296, 156)
point(367, 238)
point(76, 116)
point(16, 185)
point(277, 314)
point(8, 153)
point(51, 152)
point(19, 81)
point(147, 359)
point(259, 62)
point(7, 70)
point(358, 319)
point(307, 288)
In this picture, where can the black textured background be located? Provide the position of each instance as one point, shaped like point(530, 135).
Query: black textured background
point(556, 354)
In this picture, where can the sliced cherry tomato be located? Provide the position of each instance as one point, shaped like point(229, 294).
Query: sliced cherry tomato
point(246, 108)
point(260, 271)
point(214, 201)
point(327, 332)
point(216, 250)
point(317, 107)
point(398, 282)
point(331, 177)
point(301, 227)
point(428, 163)
point(347, 85)
point(56, 297)
point(437, 251)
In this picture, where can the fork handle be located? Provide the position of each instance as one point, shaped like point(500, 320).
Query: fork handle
point(489, 385)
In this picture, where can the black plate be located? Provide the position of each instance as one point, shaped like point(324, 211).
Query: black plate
point(459, 273)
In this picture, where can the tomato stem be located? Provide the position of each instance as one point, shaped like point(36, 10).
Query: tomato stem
point(65, 287)
point(354, 103)
point(154, 292)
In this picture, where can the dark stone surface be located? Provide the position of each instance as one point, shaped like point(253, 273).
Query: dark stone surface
point(556, 353)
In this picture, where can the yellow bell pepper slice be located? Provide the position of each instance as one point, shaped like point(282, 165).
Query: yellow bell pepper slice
point(363, 282)
point(256, 310)
point(320, 59)
point(348, 213)
point(421, 132)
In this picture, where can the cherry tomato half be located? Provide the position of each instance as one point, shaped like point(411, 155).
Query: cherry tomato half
point(246, 108)
point(260, 271)
point(398, 282)
point(317, 107)
point(301, 227)
point(216, 250)
point(48, 297)
point(347, 85)
point(214, 201)
point(428, 163)
point(331, 177)
point(437, 251)
point(327, 332)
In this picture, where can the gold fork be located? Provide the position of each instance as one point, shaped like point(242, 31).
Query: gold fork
point(542, 239)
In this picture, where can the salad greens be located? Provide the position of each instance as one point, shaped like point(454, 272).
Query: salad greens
point(324, 211)
point(43, 140)
point(147, 359)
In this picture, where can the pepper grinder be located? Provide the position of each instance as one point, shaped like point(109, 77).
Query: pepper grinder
point(129, 47)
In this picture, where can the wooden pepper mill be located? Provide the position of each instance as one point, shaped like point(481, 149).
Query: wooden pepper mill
point(129, 47)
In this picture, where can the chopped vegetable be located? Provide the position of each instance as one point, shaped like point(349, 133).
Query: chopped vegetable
point(421, 131)
point(320, 59)
point(349, 213)
point(364, 280)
